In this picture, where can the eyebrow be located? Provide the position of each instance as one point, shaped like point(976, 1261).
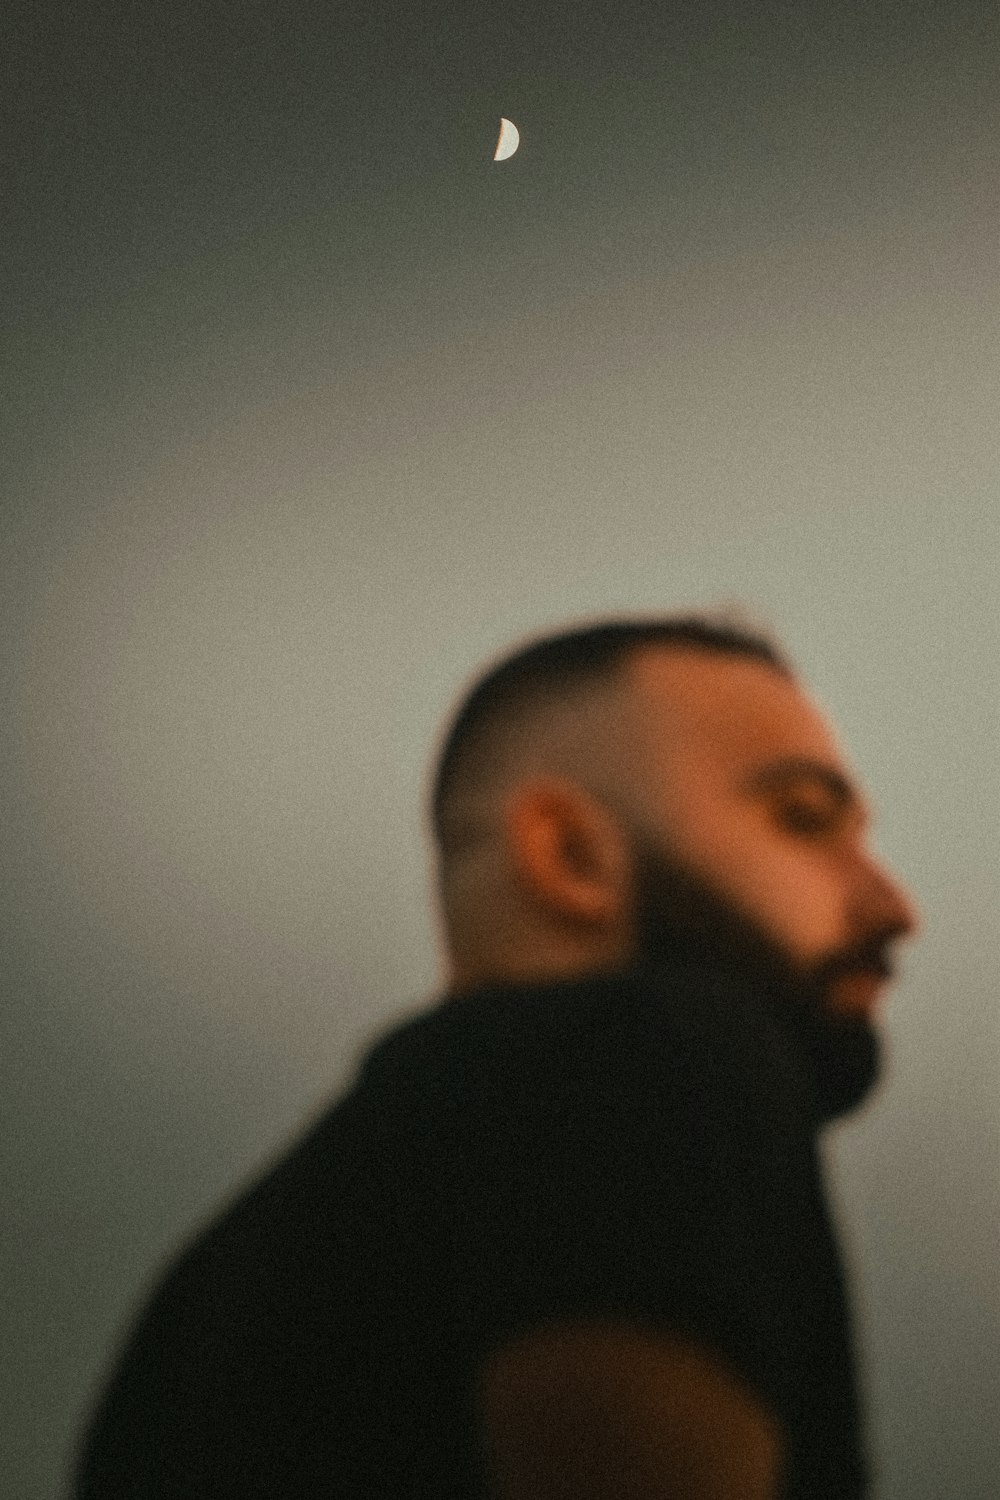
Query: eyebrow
point(778, 774)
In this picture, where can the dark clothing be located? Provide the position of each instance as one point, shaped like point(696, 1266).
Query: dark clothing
point(639, 1145)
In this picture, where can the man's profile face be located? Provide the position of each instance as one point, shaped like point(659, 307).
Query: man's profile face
point(757, 834)
point(757, 855)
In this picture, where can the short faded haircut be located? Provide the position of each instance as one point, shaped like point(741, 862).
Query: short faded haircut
point(563, 668)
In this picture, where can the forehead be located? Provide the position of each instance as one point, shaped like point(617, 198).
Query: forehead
point(726, 714)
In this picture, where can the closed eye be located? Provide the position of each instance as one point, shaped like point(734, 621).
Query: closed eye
point(803, 819)
point(816, 798)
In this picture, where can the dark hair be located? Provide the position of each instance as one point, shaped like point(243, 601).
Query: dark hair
point(559, 666)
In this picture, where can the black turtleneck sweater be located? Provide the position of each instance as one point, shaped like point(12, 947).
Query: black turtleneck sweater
point(639, 1145)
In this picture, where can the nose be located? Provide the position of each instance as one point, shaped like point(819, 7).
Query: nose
point(894, 906)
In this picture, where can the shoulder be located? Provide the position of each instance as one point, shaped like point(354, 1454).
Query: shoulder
point(571, 1067)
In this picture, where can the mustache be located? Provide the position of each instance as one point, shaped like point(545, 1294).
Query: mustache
point(869, 959)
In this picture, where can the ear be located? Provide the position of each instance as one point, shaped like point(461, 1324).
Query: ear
point(568, 851)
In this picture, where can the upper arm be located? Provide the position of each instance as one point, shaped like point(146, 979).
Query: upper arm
point(610, 1410)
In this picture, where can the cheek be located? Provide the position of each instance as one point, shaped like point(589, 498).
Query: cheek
point(800, 894)
point(794, 890)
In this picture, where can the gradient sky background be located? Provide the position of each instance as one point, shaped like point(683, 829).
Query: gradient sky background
point(312, 409)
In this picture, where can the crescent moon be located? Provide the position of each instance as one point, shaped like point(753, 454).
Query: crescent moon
point(507, 141)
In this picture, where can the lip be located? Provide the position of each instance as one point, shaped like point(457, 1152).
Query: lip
point(856, 993)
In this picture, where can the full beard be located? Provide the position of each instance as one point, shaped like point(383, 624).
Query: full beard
point(681, 918)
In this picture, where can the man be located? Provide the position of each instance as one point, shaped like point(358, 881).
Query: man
point(566, 1235)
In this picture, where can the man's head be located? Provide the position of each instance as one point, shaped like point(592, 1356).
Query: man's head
point(645, 789)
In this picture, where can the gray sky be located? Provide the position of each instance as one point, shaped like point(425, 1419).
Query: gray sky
point(312, 409)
